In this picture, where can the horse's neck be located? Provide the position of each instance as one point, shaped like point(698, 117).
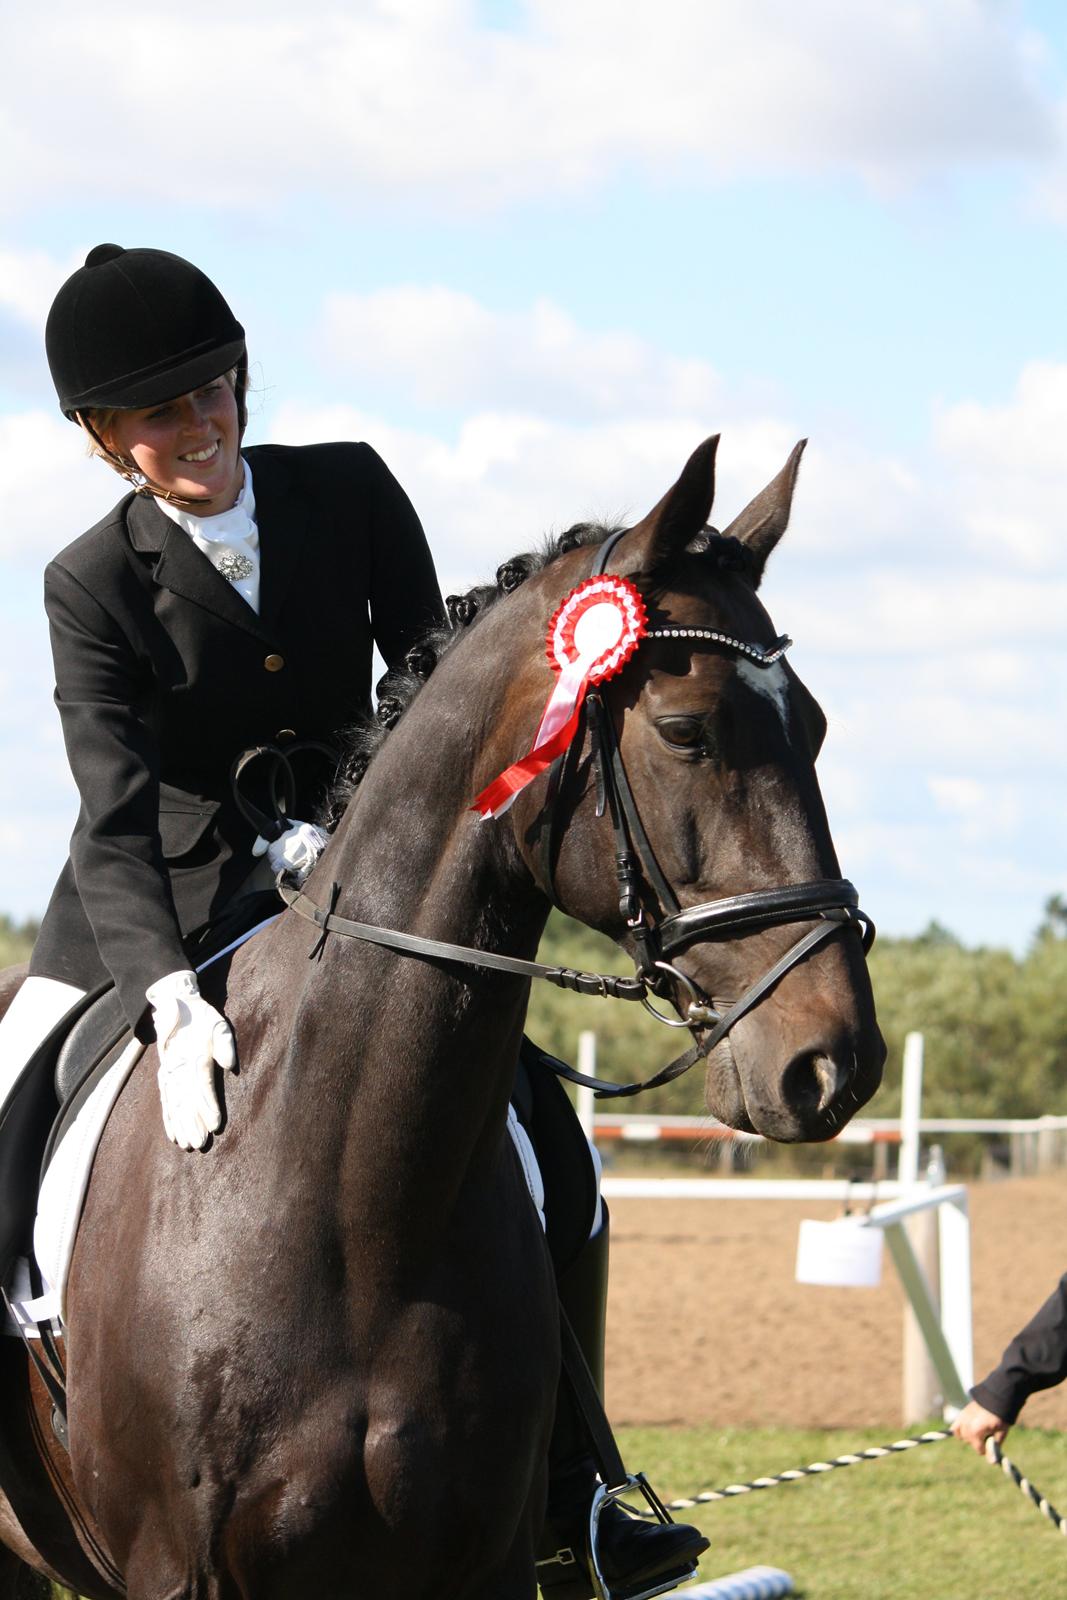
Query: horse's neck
point(411, 848)
point(420, 1052)
point(411, 854)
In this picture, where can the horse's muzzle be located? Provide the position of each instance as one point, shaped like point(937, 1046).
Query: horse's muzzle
point(809, 1100)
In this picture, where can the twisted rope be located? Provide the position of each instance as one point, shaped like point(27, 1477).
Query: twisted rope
point(814, 1470)
point(994, 1455)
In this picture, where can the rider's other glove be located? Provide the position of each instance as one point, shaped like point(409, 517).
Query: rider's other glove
point(295, 851)
point(192, 1036)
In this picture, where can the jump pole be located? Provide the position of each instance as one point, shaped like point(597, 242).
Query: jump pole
point(922, 1394)
point(754, 1583)
point(585, 1101)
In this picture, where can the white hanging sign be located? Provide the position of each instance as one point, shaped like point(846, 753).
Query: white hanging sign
point(843, 1254)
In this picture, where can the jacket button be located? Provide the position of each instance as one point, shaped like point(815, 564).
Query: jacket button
point(274, 663)
point(283, 735)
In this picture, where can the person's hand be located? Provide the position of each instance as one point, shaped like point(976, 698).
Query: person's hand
point(295, 851)
point(192, 1036)
point(974, 1425)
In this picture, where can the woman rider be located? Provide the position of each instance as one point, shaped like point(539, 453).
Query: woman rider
point(231, 600)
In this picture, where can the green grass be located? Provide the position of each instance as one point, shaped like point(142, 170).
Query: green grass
point(937, 1523)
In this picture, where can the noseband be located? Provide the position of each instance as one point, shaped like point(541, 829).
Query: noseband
point(831, 903)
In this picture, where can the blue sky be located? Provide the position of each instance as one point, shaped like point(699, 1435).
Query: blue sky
point(534, 253)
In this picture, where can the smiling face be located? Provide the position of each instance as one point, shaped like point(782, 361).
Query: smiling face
point(187, 446)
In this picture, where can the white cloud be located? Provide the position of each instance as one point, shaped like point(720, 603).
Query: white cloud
point(983, 810)
point(508, 478)
point(1011, 466)
point(405, 96)
point(47, 480)
point(449, 349)
point(1025, 436)
point(29, 280)
point(885, 611)
point(1049, 187)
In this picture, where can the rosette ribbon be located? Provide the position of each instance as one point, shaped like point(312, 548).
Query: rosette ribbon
point(594, 632)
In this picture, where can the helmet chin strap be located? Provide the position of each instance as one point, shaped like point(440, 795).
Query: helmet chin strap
point(142, 485)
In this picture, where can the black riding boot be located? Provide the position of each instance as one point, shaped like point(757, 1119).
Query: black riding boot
point(635, 1557)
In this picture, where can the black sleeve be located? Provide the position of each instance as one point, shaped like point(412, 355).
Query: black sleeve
point(116, 852)
point(405, 600)
point(1035, 1359)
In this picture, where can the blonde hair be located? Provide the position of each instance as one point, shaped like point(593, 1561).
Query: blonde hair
point(97, 422)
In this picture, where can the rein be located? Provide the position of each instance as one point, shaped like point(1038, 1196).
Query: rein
point(835, 901)
point(603, 984)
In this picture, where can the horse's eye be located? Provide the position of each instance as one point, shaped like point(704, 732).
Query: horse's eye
point(682, 733)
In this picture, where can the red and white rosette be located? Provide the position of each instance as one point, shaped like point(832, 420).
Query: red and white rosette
point(593, 634)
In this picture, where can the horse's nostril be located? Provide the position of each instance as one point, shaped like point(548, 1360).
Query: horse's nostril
point(831, 1079)
point(813, 1081)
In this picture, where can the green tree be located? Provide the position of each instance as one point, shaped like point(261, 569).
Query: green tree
point(16, 940)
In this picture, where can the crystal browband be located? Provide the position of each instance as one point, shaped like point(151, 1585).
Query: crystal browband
point(763, 656)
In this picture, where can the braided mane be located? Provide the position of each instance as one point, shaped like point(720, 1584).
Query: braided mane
point(397, 688)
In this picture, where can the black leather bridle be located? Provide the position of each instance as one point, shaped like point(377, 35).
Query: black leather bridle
point(832, 903)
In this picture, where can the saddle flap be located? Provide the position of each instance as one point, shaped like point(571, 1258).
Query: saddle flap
point(95, 1032)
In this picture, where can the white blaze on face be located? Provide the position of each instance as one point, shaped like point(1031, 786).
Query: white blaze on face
point(771, 682)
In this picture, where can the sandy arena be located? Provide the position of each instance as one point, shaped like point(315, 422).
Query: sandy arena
point(706, 1322)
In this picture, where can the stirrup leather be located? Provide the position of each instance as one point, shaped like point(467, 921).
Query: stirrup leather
point(604, 1497)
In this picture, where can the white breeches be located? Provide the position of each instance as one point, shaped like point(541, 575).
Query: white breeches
point(29, 1018)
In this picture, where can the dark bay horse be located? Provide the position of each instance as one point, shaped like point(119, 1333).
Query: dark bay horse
point(321, 1357)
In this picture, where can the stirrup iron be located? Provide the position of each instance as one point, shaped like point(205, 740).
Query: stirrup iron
point(635, 1483)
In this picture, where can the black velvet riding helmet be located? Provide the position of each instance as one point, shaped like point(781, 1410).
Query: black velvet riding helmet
point(133, 328)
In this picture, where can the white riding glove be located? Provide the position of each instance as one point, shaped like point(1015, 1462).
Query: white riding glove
point(192, 1036)
point(295, 851)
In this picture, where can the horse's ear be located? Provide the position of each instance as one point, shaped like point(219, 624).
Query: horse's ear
point(679, 517)
point(763, 521)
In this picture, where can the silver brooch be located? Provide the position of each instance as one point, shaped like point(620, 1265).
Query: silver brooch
point(234, 566)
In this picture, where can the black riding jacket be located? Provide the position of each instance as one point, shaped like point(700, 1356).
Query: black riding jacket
point(164, 675)
point(1035, 1359)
